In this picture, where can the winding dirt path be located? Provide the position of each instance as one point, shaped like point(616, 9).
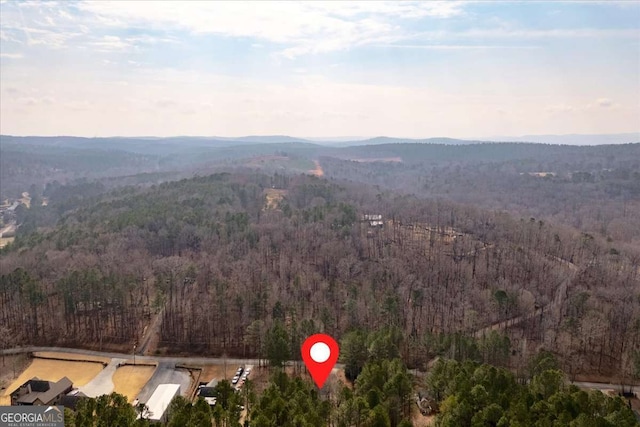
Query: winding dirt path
point(151, 335)
point(556, 303)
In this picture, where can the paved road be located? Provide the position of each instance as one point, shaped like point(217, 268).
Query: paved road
point(171, 359)
point(166, 365)
point(598, 386)
point(166, 372)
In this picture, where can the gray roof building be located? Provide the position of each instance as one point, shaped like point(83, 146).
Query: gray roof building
point(39, 392)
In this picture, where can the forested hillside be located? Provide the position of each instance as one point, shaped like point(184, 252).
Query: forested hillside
point(594, 189)
point(38, 161)
point(230, 272)
point(22, 166)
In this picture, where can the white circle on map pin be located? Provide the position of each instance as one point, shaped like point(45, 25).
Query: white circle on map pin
point(320, 352)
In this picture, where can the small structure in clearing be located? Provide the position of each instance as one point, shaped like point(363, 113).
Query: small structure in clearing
point(375, 220)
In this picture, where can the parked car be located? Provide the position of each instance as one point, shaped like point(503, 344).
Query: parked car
point(246, 373)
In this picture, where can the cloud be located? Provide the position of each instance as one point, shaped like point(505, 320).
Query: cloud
point(295, 28)
point(604, 103)
point(499, 36)
point(64, 14)
point(124, 57)
point(11, 55)
point(32, 101)
point(38, 24)
point(55, 39)
point(498, 33)
point(396, 9)
point(77, 105)
point(560, 108)
point(305, 27)
point(455, 46)
point(12, 91)
point(166, 103)
point(111, 43)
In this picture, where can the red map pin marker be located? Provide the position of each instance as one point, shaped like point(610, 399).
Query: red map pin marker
point(320, 354)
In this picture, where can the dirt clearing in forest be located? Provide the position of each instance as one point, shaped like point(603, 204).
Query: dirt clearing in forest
point(128, 380)
point(7, 235)
point(4, 241)
point(318, 170)
point(274, 196)
point(26, 199)
point(419, 420)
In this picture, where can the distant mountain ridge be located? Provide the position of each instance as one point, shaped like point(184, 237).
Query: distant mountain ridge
point(261, 138)
point(571, 139)
point(173, 142)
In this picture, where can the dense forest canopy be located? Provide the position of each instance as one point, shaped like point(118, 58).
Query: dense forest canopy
point(223, 270)
point(477, 255)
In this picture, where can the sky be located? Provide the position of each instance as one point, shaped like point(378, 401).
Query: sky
point(319, 69)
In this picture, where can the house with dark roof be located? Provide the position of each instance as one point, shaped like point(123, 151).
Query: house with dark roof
point(72, 399)
point(209, 394)
point(39, 392)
